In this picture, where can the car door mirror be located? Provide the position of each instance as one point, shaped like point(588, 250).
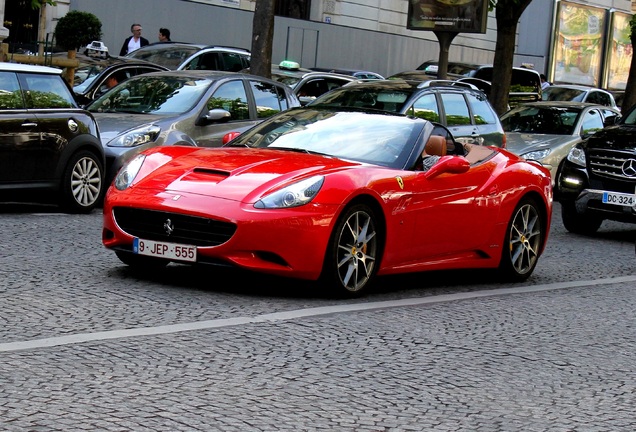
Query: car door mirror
point(216, 115)
point(304, 100)
point(448, 164)
point(609, 121)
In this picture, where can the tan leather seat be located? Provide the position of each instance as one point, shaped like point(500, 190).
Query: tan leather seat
point(436, 145)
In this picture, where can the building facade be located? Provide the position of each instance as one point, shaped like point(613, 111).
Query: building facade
point(364, 34)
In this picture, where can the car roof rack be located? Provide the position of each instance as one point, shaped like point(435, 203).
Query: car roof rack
point(446, 83)
point(227, 46)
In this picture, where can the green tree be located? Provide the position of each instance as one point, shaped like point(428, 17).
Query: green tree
point(77, 29)
point(507, 13)
point(37, 4)
point(630, 87)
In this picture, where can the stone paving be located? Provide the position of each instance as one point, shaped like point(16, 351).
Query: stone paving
point(555, 360)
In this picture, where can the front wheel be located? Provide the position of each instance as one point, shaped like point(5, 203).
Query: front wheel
point(578, 223)
point(353, 251)
point(82, 183)
point(524, 237)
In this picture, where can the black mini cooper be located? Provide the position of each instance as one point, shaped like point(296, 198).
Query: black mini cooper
point(50, 149)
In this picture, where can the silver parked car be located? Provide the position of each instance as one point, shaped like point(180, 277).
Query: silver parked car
point(578, 93)
point(183, 107)
point(546, 131)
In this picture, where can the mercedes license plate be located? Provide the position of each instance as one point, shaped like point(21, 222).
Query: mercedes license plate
point(621, 199)
point(171, 251)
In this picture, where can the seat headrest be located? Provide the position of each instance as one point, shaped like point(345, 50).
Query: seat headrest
point(436, 145)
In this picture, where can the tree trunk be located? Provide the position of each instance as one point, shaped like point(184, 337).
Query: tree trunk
point(507, 13)
point(262, 38)
point(42, 29)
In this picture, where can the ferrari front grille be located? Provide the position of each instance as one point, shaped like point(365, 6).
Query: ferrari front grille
point(173, 227)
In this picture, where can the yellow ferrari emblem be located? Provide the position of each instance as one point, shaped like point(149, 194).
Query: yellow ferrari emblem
point(400, 182)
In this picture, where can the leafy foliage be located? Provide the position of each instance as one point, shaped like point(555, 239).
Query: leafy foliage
point(77, 29)
point(37, 4)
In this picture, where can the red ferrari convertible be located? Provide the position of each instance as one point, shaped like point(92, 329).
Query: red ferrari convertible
point(336, 196)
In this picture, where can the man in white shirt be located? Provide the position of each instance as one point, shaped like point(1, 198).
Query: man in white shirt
point(133, 42)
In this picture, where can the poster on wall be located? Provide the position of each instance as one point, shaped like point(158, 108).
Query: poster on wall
point(461, 16)
point(619, 53)
point(580, 37)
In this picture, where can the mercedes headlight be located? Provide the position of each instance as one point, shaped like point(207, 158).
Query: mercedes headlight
point(577, 156)
point(136, 137)
point(294, 195)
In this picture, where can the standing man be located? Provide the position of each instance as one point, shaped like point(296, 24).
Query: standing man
point(164, 35)
point(133, 42)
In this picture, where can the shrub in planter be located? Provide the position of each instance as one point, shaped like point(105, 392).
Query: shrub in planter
point(77, 29)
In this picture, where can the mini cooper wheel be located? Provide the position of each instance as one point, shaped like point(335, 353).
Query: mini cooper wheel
point(522, 245)
point(82, 183)
point(353, 251)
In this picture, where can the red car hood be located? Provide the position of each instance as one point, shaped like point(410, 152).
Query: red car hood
point(231, 173)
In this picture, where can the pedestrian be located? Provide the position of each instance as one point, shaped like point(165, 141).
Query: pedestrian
point(544, 82)
point(164, 35)
point(133, 42)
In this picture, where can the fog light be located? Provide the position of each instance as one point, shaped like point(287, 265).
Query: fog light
point(571, 181)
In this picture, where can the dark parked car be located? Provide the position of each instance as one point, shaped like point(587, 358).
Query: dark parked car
point(194, 108)
point(306, 83)
point(91, 77)
point(189, 56)
point(525, 84)
point(463, 109)
point(598, 179)
point(50, 149)
point(360, 74)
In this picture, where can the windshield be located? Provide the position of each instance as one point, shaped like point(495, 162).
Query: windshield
point(170, 56)
point(552, 121)
point(563, 94)
point(290, 80)
point(85, 75)
point(380, 99)
point(385, 140)
point(167, 95)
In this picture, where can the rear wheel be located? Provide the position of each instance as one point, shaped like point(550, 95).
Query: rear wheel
point(524, 237)
point(353, 251)
point(578, 223)
point(82, 183)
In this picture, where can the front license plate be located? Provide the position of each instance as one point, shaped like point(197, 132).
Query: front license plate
point(621, 199)
point(171, 251)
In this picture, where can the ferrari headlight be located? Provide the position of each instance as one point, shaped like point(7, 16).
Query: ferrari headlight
point(136, 137)
point(577, 156)
point(536, 155)
point(294, 195)
point(128, 172)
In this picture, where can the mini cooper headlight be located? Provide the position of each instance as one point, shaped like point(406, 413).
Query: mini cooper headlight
point(537, 155)
point(136, 137)
point(294, 195)
point(577, 156)
point(128, 172)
